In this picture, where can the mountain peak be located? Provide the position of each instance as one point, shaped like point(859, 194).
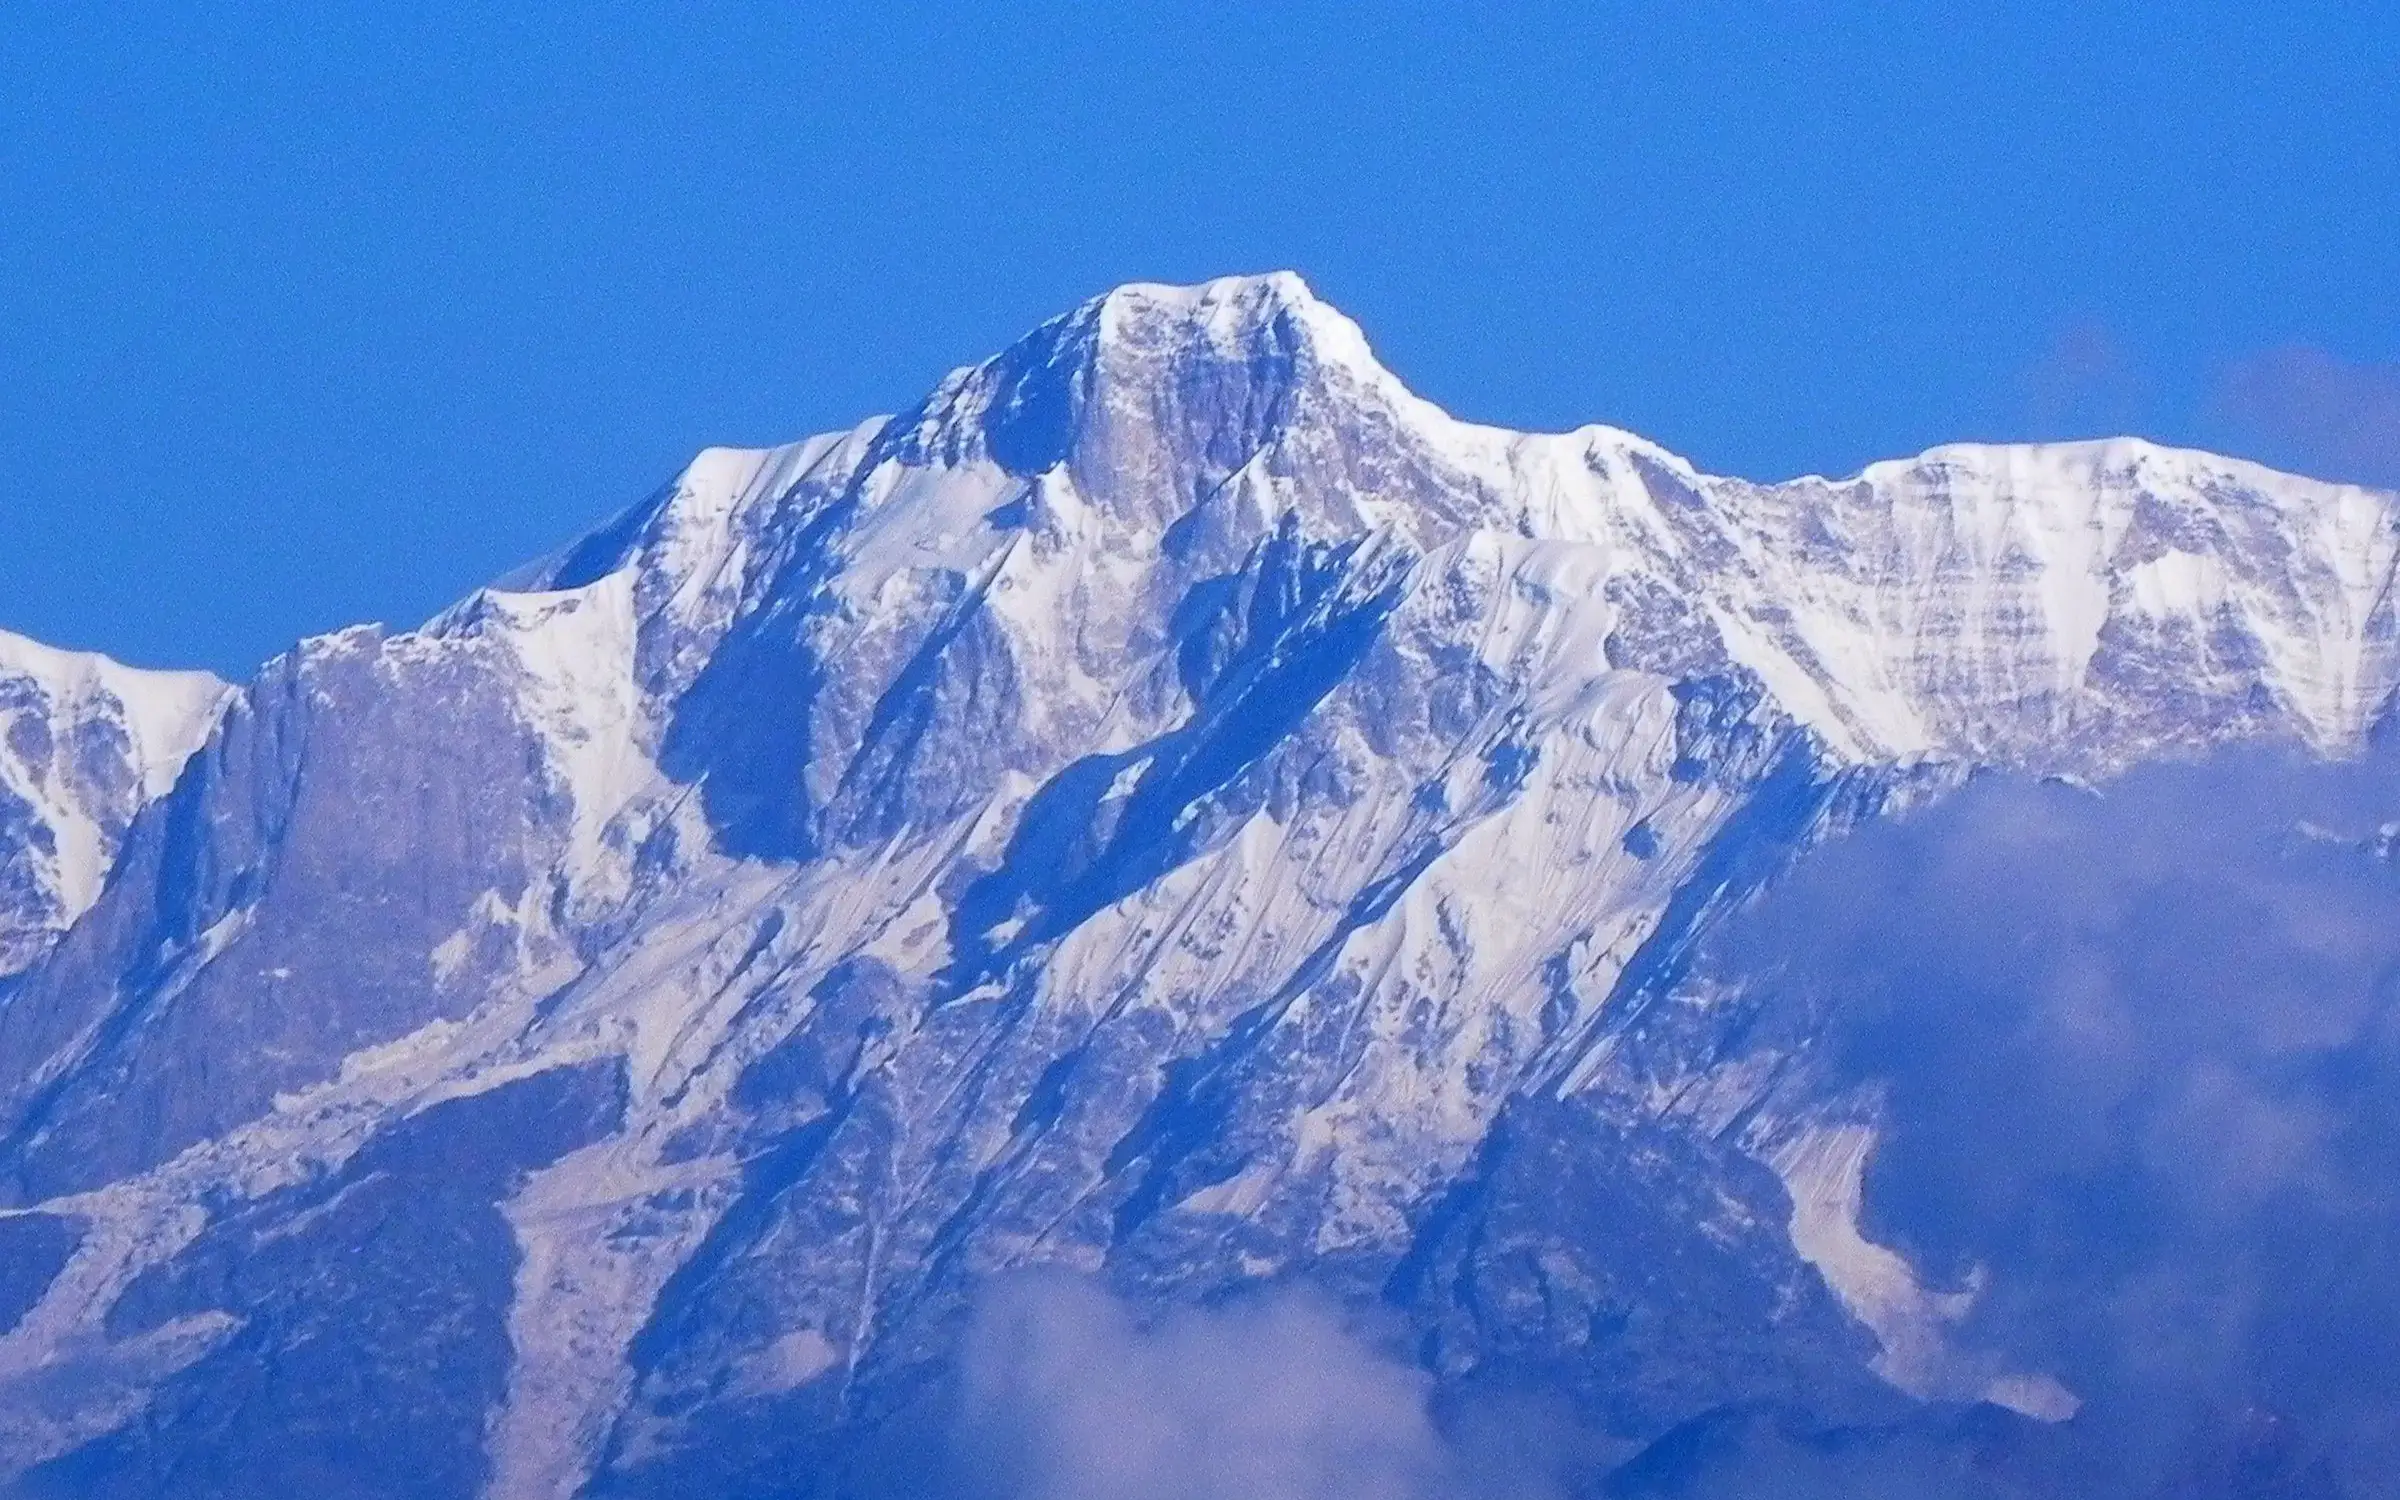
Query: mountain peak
point(1172, 804)
point(85, 743)
point(1226, 359)
point(1227, 309)
point(166, 713)
point(1256, 291)
point(1234, 316)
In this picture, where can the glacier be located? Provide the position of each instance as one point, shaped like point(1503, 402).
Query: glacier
point(1173, 806)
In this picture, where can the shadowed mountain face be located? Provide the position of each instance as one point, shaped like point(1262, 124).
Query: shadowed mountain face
point(1172, 809)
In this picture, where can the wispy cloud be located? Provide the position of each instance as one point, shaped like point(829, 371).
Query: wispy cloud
point(2307, 409)
point(2141, 1055)
point(1068, 1396)
point(2297, 407)
point(2086, 383)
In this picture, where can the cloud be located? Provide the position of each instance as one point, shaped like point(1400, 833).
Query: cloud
point(2086, 384)
point(1069, 1396)
point(2141, 1056)
point(2310, 410)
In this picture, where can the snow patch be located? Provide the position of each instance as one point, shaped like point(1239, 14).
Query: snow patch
point(1823, 1169)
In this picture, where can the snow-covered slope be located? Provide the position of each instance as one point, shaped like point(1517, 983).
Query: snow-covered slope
point(1173, 804)
point(85, 743)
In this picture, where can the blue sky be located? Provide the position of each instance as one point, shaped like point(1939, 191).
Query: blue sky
point(311, 314)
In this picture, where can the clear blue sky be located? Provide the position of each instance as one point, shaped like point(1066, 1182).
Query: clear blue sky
point(327, 312)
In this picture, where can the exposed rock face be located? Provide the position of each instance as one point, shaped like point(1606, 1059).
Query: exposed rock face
point(1172, 805)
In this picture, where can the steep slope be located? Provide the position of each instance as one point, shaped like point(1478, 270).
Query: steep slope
point(1172, 805)
point(84, 745)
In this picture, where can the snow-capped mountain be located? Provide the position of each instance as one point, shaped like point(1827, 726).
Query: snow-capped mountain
point(84, 745)
point(1172, 805)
